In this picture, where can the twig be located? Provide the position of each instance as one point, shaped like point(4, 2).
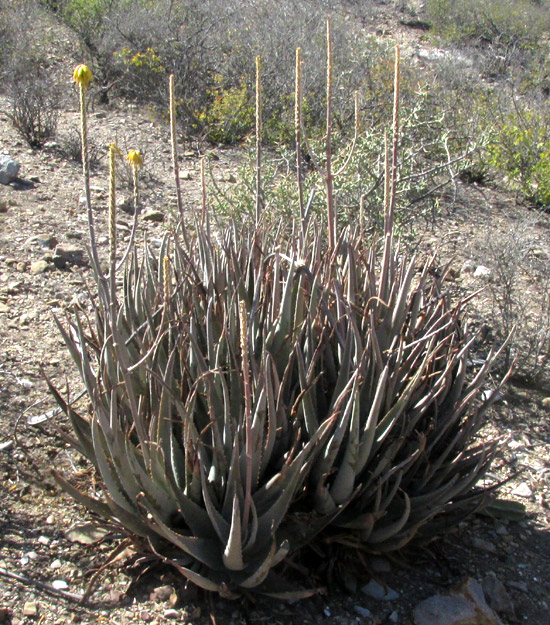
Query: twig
point(29, 581)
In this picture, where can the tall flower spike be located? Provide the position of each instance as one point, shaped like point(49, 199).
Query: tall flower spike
point(82, 75)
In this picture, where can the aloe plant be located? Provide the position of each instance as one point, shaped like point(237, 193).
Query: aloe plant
point(253, 394)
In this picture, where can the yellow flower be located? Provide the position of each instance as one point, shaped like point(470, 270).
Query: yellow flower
point(82, 75)
point(134, 156)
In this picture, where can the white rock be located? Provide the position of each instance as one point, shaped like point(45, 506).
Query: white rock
point(482, 272)
point(9, 169)
point(60, 584)
point(523, 490)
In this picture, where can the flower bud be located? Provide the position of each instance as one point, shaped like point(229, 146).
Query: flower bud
point(82, 75)
point(134, 156)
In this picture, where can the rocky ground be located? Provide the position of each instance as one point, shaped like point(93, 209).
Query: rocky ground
point(49, 552)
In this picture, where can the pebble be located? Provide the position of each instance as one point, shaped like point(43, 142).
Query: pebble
point(48, 241)
point(171, 613)
point(523, 490)
point(30, 608)
point(186, 175)
point(56, 564)
point(465, 605)
point(364, 612)
point(39, 266)
point(381, 593)
point(484, 545)
point(482, 272)
point(68, 255)
point(153, 216)
point(161, 593)
point(43, 540)
point(497, 595)
point(522, 586)
point(60, 584)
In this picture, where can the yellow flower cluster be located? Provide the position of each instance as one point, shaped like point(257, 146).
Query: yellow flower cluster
point(134, 156)
point(82, 75)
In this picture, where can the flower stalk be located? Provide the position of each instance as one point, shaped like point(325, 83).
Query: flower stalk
point(258, 142)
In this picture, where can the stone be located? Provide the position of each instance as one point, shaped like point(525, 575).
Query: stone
point(381, 593)
point(48, 241)
point(465, 605)
point(4, 206)
point(186, 175)
point(229, 178)
point(9, 169)
point(39, 266)
point(161, 593)
point(482, 272)
point(484, 545)
point(171, 614)
point(468, 267)
point(153, 216)
point(85, 533)
point(497, 595)
point(30, 608)
point(364, 612)
point(125, 204)
point(546, 403)
point(60, 584)
point(68, 255)
point(523, 490)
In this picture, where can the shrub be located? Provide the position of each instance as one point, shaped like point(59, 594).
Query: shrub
point(520, 294)
point(34, 109)
point(520, 148)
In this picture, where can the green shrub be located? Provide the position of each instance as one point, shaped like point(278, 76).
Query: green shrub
point(502, 24)
point(520, 148)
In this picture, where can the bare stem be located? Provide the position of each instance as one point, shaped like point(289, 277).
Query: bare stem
point(395, 137)
point(175, 164)
point(331, 214)
point(112, 228)
point(298, 136)
point(112, 209)
point(258, 142)
point(135, 186)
